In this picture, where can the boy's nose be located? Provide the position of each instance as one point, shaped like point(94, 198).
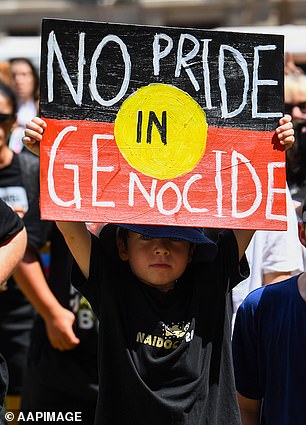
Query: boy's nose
point(161, 247)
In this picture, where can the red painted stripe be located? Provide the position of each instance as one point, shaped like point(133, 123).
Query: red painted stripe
point(211, 189)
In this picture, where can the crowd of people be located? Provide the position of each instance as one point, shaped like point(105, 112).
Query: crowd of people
point(97, 345)
point(48, 331)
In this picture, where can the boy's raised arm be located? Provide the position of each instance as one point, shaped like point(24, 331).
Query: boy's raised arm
point(78, 240)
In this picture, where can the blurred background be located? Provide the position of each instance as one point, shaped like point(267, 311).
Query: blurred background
point(20, 20)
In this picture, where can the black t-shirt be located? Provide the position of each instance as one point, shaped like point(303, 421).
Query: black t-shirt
point(73, 371)
point(3, 388)
point(13, 192)
point(19, 186)
point(10, 224)
point(86, 324)
point(165, 358)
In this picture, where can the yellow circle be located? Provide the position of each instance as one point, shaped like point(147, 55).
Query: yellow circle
point(161, 131)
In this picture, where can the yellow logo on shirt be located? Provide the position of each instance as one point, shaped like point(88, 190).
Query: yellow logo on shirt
point(172, 336)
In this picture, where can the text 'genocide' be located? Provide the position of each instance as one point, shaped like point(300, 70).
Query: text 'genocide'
point(155, 195)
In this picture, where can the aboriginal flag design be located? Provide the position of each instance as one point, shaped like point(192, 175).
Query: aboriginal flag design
point(161, 125)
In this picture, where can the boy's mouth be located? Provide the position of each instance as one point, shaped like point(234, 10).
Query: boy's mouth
point(160, 266)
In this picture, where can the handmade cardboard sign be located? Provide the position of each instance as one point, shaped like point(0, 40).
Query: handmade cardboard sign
point(161, 125)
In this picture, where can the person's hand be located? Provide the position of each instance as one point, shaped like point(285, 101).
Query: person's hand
point(60, 330)
point(285, 132)
point(33, 134)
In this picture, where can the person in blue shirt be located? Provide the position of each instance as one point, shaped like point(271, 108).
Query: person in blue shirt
point(269, 345)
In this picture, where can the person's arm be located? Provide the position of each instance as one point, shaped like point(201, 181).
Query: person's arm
point(31, 280)
point(249, 410)
point(11, 252)
point(273, 277)
point(58, 320)
point(78, 240)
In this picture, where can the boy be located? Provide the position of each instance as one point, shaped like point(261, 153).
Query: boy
point(160, 294)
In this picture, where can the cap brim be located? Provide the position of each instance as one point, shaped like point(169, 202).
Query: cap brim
point(192, 235)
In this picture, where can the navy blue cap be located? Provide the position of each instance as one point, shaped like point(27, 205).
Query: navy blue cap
point(193, 235)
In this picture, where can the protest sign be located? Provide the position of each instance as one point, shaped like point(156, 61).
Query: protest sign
point(161, 125)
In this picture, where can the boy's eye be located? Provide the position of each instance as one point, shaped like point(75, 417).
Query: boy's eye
point(149, 238)
point(145, 238)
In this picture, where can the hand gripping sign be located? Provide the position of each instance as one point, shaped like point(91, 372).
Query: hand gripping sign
point(161, 125)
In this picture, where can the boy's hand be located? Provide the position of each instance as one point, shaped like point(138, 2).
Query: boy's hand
point(285, 132)
point(33, 134)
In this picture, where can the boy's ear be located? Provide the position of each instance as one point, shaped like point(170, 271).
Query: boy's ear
point(302, 233)
point(122, 249)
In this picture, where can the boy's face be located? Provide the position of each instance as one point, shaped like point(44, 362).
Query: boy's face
point(156, 262)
